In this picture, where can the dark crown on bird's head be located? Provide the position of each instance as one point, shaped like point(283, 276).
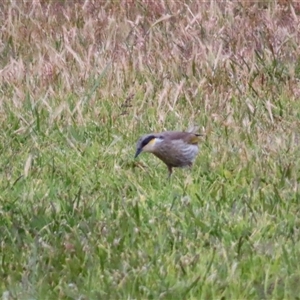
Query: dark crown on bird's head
point(146, 139)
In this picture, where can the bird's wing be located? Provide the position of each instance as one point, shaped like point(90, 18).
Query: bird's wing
point(187, 137)
point(193, 139)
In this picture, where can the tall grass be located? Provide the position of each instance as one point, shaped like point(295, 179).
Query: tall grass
point(80, 82)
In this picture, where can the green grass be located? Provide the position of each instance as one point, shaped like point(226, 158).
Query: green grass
point(80, 219)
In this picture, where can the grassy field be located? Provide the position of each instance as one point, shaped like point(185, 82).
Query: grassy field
point(81, 81)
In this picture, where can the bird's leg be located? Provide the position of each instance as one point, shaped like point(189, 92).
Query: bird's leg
point(170, 172)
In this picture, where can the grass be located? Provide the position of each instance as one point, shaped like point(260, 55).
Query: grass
point(80, 82)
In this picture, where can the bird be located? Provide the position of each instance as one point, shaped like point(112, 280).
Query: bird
point(174, 148)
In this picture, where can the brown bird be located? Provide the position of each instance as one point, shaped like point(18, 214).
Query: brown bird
point(174, 148)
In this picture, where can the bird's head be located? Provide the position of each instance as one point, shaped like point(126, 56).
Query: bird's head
point(147, 143)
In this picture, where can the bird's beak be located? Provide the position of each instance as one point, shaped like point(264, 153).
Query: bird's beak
point(138, 151)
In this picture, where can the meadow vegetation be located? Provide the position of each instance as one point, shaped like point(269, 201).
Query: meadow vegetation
point(81, 81)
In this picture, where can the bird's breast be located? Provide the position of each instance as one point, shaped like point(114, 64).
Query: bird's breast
point(176, 153)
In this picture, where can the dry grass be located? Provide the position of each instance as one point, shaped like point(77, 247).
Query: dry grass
point(80, 81)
